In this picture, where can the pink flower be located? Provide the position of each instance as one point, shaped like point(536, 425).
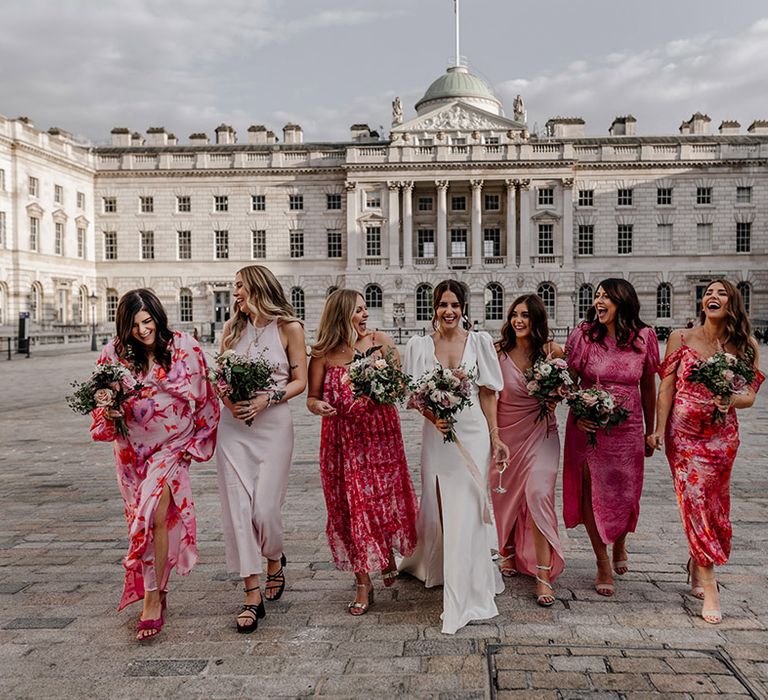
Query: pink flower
point(532, 387)
point(739, 383)
point(560, 363)
point(104, 397)
point(728, 375)
point(589, 399)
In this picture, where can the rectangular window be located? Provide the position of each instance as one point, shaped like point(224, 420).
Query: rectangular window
point(183, 204)
point(704, 238)
point(34, 233)
point(34, 186)
point(333, 202)
point(221, 245)
point(458, 243)
point(147, 205)
point(109, 205)
point(2, 180)
point(586, 198)
point(184, 239)
point(624, 245)
point(3, 241)
point(546, 196)
point(703, 195)
point(81, 243)
point(492, 202)
point(81, 200)
point(296, 202)
point(491, 242)
point(624, 198)
point(546, 239)
point(425, 243)
point(220, 202)
point(258, 202)
point(664, 238)
point(112, 301)
point(663, 196)
point(297, 244)
point(58, 194)
point(110, 245)
point(334, 243)
point(373, 242)
point(424, 204)
point(372, 200)
point(58, 239)
point(259, 244)
point(586, 239)
point(458, 203)
point(185, 308)
point(491, 140)
point(743, 195)
point(743, 237)
point(147, 245)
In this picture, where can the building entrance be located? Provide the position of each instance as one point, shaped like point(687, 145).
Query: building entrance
point(221, 308)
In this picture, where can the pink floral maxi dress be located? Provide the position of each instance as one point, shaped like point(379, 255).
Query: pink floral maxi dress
point(171, 422)
point(701, 457)
point(368, 491)
point(616, 463)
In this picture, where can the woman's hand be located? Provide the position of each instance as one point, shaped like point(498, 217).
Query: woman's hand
point(248, 410)
point(500, 450)
point(443, 425)
point(113, 413)
point(654, 441)
point(587, 426)
point(321, 408)
point(723, 403)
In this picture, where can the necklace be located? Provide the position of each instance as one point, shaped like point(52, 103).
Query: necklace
point(258, 331)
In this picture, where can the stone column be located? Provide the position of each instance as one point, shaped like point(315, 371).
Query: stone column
point(568, 221)
point(511, 252)
point(442, 224)
point(352, 233)
point(393, 212)
point(407, 223)
point(477, 224)
point(525, 222)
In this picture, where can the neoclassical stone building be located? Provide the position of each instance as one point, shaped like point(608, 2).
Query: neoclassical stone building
point(458, 191)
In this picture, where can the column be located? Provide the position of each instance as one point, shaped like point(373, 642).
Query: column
point(352, 235)
point(393, 212)
point(511, 252)
point(525, 222)
point(568, 221)
point(477, 224)
point(407, 223)
point(442, 224)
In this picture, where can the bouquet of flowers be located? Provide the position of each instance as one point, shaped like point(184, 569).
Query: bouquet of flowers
point(240, 377)
point(599, 406)
point(444, 392)
point(378, 378)
point(548, 380)
point(110, 386)
point(724, 375)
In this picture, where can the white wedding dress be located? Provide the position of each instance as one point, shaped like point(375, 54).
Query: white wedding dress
point(457, 552)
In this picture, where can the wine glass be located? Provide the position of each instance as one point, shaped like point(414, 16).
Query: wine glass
point(501, 467)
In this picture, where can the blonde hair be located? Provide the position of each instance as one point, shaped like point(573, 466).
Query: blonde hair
point(335, 328)
point(266, 299)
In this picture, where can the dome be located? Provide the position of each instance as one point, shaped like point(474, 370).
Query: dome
point(459, 83)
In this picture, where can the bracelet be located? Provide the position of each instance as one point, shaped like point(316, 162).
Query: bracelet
point(275, 397)
point(493, 430)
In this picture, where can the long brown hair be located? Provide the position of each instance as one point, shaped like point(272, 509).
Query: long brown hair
point(126, 346)
point(738, 327)
point(335, 329)
point(628, 321)
point(537, 318)
point(461, 294)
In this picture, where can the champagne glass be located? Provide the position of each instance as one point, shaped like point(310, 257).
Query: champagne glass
point(501, 467)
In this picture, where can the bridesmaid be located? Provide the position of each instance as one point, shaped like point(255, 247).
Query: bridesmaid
point(253, 461)
point(602, 484)
point(368, 491)
point(525, 515)
point(170, 423)
point(701, 453)
point(454, 541)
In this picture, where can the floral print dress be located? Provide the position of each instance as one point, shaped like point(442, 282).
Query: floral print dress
point(170, 422)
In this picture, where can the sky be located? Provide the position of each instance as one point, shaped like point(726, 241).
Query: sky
point(188, 65)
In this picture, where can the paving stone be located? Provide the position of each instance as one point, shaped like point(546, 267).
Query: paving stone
point(593, 664)
point(620, 681)
point(681, 683)
point(506, 680)
point(10, 588)
point(39, 623)
point(167, 667)
point(562, 680)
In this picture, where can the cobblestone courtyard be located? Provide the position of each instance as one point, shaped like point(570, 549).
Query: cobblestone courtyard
point(62, 536)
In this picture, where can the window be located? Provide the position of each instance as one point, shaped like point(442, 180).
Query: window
point(2, 180)
point(743, 195)
point(546, 292)
point(492, 202)
point(425, 243)
point(258, 244)
point(220, 202)
point(109, 205)
point(297, 301)
point(373, 242)
point(586, 299)
point(458, 242)
point(333, 202)
point(334, 243)
point(183, 204)
point(81, 200)
point(703, 195)
point(459, 203)
point(663, 196)
point(743, 237)
point(624, 198)
point(746, 294)
point(34, 186)
point(424, 204)
point(58, 194)
point(36, 303)
point(221, 245)
point(184, 239)
point(459, 141)
point(297, 244)
point(185, 306)
point(586, 239)
point(491, 242)
point(147, 205)
point(494, 302)
point(110, 245)
point(624, 246)
point(546, 196)
point(704, 238)
point(373, 200)
point(664, 238)
point(147, 245)
point(81, 304)
point(296, 202)
point(111, 305)
point(423, 302)
point(34, 233)
point(664, 300)
point(3, 241)
point(586, 198)
point(373, 296)
point(258, 202)
point(546, 240)
point(58, 239)
point(80, 242)
point(491, 140)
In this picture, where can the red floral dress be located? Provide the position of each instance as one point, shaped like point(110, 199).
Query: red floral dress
point(171, 422)
point(701, 457)
point(368, 491)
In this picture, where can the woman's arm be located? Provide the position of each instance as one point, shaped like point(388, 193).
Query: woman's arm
point(387, 344)
point(297, 359)
point(315, 402)
point(554, 350)
point(488, 402)
point(746, 398)
point(666, 396)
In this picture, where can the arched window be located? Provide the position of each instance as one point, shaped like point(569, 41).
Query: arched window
point(546, 291)
point(664, 300)
point(185, 306)
point(746, 293)
point(81, 307)
point(423, 302)
point(297, 299)
point(3, 302)
point(330, 290)
point(36, 303)
point(111, 305)
point(494, 302)
point(586, 299)
point(373, 296)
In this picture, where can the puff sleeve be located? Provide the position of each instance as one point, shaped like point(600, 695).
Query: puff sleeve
point(488, 367)
point(577, 349)
point(206, 405)
point(652, 359)
point(415, 357)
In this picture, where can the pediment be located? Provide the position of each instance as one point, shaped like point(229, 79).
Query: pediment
point(458, 116)
point(35, 210)
point(60, 216)
point(544, 216)
point(372, 219)
point(81, 222)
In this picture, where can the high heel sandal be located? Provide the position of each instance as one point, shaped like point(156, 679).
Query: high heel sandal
point(507, 570)
point(604, 589)
point(713, 615)
point(153, 626)
point(621, 567)
point(389, 574)
point(696, 591)
point(278, 576)
point(545, 599)
point(251, 614)
point(356, 608)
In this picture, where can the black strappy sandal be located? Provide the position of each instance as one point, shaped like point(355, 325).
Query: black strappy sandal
point(256, 613)
point(279, 575)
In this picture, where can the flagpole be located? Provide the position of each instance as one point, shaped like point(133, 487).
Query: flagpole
point(456, 12)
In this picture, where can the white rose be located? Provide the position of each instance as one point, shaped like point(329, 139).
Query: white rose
point(545, 369)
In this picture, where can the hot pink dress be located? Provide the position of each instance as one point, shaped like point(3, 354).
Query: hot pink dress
point(701, 457)
point(616, 463)
point(368, 491)
point(530, 478)
point(171, 422)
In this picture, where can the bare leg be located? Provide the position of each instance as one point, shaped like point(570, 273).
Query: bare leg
point(620, 555)
point(604, 580)
point(543, 559)
point(711, 607)
point(152, 601)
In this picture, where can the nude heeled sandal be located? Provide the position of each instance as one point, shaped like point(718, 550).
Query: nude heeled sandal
point(713, 616)
point(696, 591)
point(358, 609)
point(604, 589)
point(545, 599)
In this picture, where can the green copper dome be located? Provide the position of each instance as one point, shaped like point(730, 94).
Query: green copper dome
point(458, 83)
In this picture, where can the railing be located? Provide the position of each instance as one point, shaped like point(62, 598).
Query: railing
point(424, 261)
point(374, 261)
point(546, 259)
point(458, 263)
point(494, 260)
point(459, 150)
point(377, 151)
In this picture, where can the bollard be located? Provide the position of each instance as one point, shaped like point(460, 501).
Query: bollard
point(10, 342)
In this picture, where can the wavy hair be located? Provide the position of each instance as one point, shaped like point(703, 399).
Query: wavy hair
point(266, 299)
point(126, 346)
point(336, 329)
point(461, 294)
point(628, 322)
point(537, 318)
point(738, 327)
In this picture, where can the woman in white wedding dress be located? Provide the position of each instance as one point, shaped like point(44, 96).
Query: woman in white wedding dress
point(454, 536)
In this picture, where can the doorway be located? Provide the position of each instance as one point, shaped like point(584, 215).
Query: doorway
point(221, 307)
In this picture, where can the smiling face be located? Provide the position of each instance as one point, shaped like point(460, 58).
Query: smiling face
point(240, 294)
point(520, 320)
point(715, 302)
point(143, 330)
point(605, 307)
point(448, 311)
point(360, 316)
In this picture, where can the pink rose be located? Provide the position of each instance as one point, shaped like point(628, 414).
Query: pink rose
point(532, 387)
point(589, 399)
point(104, 397)
point(728, 375)
point(739, 383)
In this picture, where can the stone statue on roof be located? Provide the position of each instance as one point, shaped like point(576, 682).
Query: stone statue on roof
point(519, 109)
point(397, 111)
